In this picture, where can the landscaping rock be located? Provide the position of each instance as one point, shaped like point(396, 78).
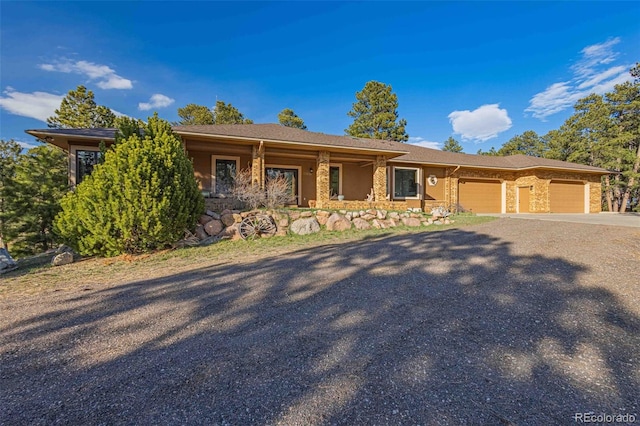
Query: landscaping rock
point(349, 216)
point(394, 215)
point(294, 215)
point(62, 259)
point(213, 227)
point(226, 211)
point(213, 214)
point(323, 213)
point(355, 214)
point(306, 214)
point(378, 224)
point(237, 217)
point(322, 220)
point(64, 249)
point(228, 219)
point(338, 222)
point(391, 223)
point(305, 226)
point(231, 232)
point(368, 216)
point(361, 224)
point(411, 221)
point(204, 219)
point(200, 232)
point(381, 214)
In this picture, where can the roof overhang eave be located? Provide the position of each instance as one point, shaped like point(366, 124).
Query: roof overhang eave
point(292, 143)
point(511, 169)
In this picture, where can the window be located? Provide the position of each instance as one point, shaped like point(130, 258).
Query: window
point(290, 174)
point(224, 173)
point(405, 182)
point(82, 161)
point(335, 180)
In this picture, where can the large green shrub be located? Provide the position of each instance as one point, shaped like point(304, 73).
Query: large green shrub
point(142, 197)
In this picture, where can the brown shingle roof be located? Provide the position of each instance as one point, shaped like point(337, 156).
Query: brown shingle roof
point(407, 152)
point(276, 132)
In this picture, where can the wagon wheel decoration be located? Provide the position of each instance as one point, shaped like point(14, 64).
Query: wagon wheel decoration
point(255, 226)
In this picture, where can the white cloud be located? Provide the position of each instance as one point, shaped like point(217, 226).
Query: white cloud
point(480, 124)
point(157, 101)
point(28, 144)
point(38, 105)
point(106, 76)
point(419, 141)
point(591, 74)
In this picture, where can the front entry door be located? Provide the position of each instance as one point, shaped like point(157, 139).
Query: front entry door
point(291, 175)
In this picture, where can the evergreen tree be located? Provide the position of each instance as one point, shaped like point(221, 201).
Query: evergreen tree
point(492, 152)
point(288, 118)
point(193, 114)
point(10, 152)
point(39, 184)
point(375, 114)
point(228, 114)
point(452, 145)
point(528, 143)
point(141, 198)
point(79, 110)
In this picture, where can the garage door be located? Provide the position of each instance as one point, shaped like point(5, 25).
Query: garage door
point(566, 197)
point(480, 196)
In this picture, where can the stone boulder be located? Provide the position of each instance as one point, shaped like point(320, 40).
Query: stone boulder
point(322, 220)
point(338, 222)
point(305, 226)
point(411, 221)
point(62, 259)
point(204, 219)
point(378, 224)
point(361, 224)
point(200, 232)
point(307, 213)
point(228, 219)
point(231, 232)
point(213, 227)
point(213, 214)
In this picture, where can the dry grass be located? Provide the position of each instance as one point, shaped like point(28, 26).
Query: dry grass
point(35, 276)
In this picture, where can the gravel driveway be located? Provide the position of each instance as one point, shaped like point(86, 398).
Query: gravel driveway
point(509, 322)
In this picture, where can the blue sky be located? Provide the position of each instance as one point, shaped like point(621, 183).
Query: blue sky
point(481, 72)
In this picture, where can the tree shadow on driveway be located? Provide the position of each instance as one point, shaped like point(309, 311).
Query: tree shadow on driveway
point(435, 328)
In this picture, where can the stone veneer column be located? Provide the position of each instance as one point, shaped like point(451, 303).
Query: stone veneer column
point(257, 165)
point(380, 178)
point(322, 178)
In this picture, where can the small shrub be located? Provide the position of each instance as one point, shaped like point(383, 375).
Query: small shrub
point(142, 197)
point(277, 191)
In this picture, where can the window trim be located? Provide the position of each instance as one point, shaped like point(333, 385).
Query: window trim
point(73, 160)
point(214, 158)
point(419, 189)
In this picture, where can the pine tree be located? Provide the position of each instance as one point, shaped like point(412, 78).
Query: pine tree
point(228, 114)
point(39, 184)
point(10, 152)
point(141, 198)
point(288, 118)
point(528, 143)
point(193, 114)
point(452, 145)
point(375, 114)
point(79, 110)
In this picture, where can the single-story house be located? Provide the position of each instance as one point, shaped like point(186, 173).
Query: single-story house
point(388, 174)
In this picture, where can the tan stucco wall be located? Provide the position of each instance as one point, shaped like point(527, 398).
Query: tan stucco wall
point(356, 181)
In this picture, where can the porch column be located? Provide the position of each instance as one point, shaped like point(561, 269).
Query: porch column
point(257, 165)
point(322, 178)
point(380, 178)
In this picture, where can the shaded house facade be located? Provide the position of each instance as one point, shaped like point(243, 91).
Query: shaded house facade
point(343, 172)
